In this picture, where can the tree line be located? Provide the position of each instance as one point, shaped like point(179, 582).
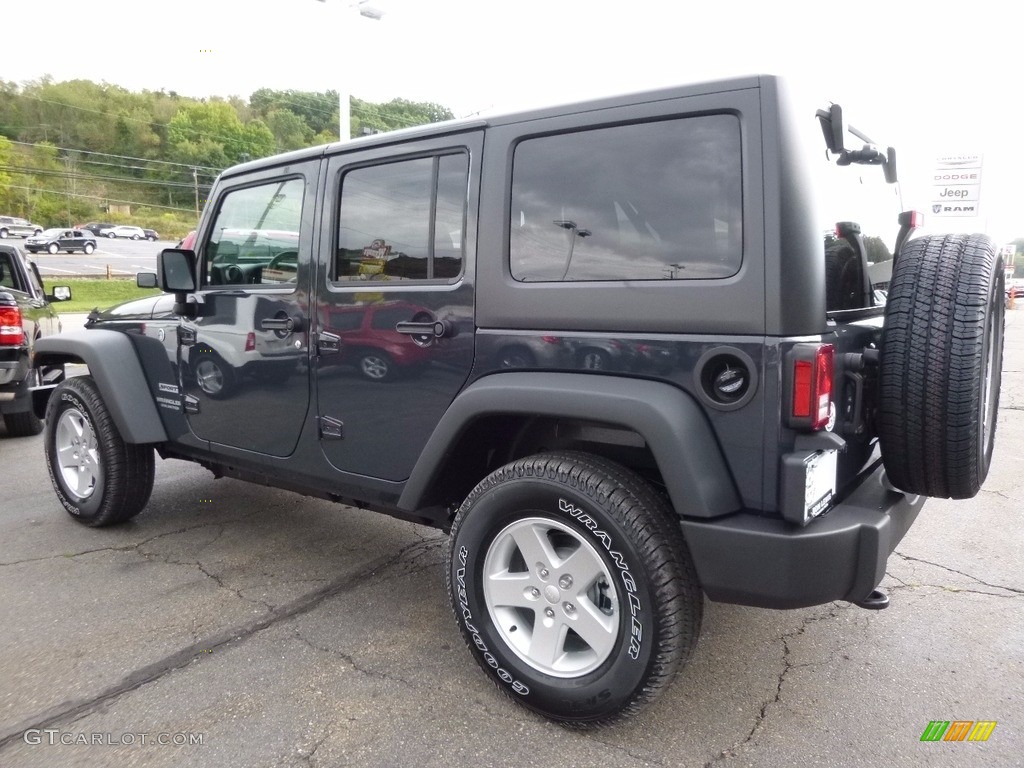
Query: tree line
point(77, 150)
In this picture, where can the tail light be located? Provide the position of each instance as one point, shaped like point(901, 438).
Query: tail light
point(250, 341)
point(11, 332)
point(811, 385)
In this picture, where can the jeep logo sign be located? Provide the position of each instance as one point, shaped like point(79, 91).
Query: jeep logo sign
point(956, 185)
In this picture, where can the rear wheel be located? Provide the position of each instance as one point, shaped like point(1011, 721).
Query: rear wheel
point(23, 424)
point(89, 248)
point(573, 587)
point(99, 478)
point(941, 364)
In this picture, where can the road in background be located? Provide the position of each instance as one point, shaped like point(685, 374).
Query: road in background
point(250, 626)
point(124, 258)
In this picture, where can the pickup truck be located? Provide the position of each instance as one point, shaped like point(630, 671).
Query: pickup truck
point(26, 315)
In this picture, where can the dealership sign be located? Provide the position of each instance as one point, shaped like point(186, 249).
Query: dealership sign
point(956, 185)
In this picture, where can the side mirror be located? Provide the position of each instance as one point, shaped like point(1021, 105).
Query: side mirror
point(176, 273)
point(890, 166)
point(146, 280)
point(61, 293)
point(176, 270)
point(832, 128)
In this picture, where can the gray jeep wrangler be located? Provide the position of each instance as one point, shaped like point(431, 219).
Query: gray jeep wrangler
point(630, 353)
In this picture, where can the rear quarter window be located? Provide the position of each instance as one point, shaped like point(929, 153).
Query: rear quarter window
point(659, 200)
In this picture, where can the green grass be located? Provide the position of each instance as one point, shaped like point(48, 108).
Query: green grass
point(87, 294)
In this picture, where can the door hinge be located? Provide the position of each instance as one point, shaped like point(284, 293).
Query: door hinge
point(186, 336)
point(328, 343)
point(331, 428)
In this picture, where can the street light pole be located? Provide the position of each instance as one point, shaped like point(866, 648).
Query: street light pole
point(576, 232)
point(344, 109)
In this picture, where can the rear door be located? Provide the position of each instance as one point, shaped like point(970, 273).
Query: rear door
point(395, 299)
point(244, 360)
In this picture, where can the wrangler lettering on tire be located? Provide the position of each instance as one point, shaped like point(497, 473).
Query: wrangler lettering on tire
point(573, 586)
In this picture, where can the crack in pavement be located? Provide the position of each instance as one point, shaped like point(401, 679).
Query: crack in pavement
point(787, 666)
point(351, 661)
point(130, 547)
point(73, 710)
point(307, 758)
point(910, 558)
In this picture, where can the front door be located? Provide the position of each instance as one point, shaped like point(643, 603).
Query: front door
point(243, 360)
point(395, 297)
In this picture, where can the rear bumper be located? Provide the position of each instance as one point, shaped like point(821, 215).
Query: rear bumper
point(770, 563)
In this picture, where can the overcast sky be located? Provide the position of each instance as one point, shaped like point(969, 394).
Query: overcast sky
point(930, 77)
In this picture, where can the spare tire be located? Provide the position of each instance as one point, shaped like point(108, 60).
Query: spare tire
point(941, 364)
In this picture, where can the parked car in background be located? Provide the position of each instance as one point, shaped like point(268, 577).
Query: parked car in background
point(96, 227)
point(25, 317)
point(56, 240)
point(12, 225)
point(151, 234)
point(124, 230)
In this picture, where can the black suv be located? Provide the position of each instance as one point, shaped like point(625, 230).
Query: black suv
point(704, 397)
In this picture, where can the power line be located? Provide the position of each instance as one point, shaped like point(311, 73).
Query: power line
point(187, 166)
point(22, 170)
point(97, 197)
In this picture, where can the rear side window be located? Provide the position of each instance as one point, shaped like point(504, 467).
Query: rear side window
point(403, 220)
point(649, 201)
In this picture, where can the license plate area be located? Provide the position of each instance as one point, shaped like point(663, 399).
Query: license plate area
point(819, 482)
point(808, 484)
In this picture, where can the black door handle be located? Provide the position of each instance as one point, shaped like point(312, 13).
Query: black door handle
point(279, 323)
point(433, 329)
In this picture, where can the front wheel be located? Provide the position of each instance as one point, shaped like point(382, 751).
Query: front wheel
point(53, 248)
point(111, 235)
point(99, 478)
point(573, 587)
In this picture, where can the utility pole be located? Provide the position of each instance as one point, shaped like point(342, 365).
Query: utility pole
point(195, 181)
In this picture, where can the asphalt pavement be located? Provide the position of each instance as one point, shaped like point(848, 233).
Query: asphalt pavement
point(235, 625)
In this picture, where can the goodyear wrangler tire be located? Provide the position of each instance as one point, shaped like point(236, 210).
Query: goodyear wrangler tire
point(99, 479)
point(941, 363)
point(573, 587)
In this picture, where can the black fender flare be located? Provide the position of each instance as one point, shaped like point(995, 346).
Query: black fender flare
point(114, 364)
point(673, 424)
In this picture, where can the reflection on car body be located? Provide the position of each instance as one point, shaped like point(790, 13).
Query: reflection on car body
point(370, 341)
point(228, 352)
